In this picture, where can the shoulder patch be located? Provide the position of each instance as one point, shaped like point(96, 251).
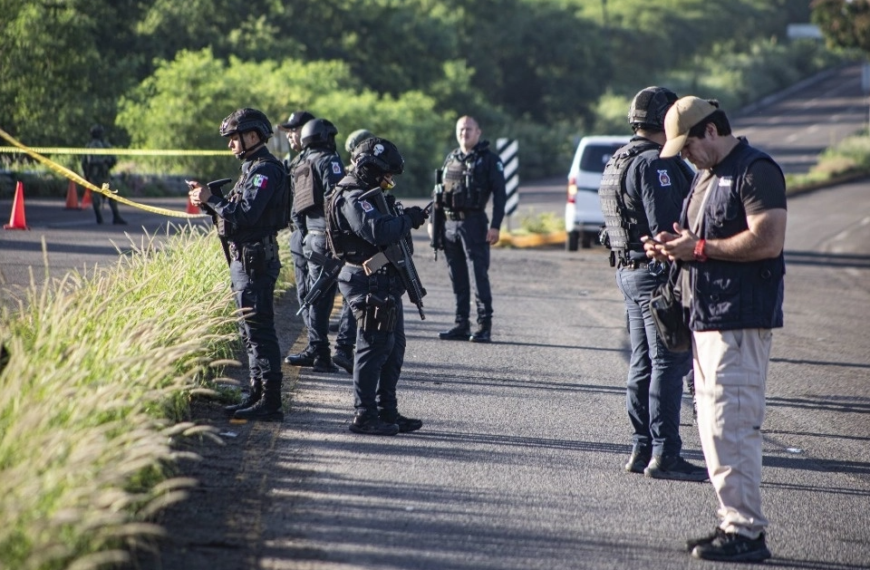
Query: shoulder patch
point(260, 181)
point(336, 167)
point(664, 178)
point(500, 165)
point(366, 206)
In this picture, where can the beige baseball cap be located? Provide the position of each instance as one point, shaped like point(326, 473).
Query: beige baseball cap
point(682, 116)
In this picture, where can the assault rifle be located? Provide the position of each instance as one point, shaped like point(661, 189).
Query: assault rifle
point(438, 217)
point(399, 254)
point(329, 270)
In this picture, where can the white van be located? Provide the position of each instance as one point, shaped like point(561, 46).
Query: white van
point(583, 217)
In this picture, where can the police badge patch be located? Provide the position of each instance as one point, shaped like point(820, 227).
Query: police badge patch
point(336, 168)
point(366, 206)
point(664, 178)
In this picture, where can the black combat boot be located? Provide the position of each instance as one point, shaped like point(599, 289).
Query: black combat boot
point(371, 424)
point(462, 331)
point(267, 408)
point(304, 358)
point(483, 332)
point(405, 424)
point(343, 356)
point(252, 398)
point(323, 363)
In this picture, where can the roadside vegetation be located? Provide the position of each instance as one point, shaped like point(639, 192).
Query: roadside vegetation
point(98, 370)
point(850, 158)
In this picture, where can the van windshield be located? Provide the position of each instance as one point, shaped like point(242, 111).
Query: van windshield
point(595, 156)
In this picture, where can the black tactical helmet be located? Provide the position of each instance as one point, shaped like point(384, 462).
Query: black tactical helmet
point(97, 131)
point(649, 107)
point(380, 155)
point(317, 132)
point(244, 120)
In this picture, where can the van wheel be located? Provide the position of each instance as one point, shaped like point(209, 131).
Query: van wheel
point(573, 241)
point(586, 242)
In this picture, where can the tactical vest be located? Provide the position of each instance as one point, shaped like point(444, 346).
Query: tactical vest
point(343, 243)
point(727, 294)
point(461, 189)
point(625, 221)
point(275, 215)
point(307, 191)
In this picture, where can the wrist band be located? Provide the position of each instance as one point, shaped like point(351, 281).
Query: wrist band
point(700, 255)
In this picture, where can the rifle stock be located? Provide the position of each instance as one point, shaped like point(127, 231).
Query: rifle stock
point(329, 270)
point(399, 254)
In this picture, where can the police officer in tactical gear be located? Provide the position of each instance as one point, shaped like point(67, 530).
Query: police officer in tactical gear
point(472, 173)
point(248, 220)
point(95, 168)
point(293, 130)
point(641, 194)
point(358, 232)
point(313, 178)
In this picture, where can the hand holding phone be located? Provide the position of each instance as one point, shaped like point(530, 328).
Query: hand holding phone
point(650, 239)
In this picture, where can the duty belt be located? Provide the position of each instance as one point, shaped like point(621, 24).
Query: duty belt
point(459, 215)
point(237, 249)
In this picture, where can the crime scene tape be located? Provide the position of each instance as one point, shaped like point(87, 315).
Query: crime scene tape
point(104, 190)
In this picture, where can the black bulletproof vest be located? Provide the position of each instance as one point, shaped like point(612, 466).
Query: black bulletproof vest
point(625, 220)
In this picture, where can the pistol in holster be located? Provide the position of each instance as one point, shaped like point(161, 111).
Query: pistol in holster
point(379, 315)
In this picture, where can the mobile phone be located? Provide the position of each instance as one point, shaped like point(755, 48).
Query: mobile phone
point(650, 239)
point(428, 208)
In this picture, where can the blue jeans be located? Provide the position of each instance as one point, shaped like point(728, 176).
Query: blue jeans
point(655, 374)
point(464, 245)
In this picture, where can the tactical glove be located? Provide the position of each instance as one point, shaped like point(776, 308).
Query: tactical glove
point(417, 214)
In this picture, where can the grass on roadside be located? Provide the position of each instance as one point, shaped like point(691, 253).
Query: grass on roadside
point(95, 381)
point(849, 156)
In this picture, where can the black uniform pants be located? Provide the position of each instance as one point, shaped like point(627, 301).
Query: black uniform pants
point(379, 354)
point(465, 244)
point(254, 291)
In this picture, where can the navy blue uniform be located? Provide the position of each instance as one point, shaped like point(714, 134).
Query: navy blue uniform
point(379, 353)
point(466, 227)
point(252, 215)
point(327, 170)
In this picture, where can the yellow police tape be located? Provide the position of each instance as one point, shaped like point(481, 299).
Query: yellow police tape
point(104, 190)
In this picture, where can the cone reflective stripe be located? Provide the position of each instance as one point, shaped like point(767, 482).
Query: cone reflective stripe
point(191, 209)
point(16, 220)
point(87, 201)
point(72, 197)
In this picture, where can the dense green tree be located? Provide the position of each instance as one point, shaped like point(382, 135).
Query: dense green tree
point(845, 23)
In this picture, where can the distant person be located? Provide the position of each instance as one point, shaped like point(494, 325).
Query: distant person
point(730, 237)
point(641, 194)
point(251, 215)
point(95, 169)
point(472, 173)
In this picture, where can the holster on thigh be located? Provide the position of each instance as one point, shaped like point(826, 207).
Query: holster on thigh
point(378, 314)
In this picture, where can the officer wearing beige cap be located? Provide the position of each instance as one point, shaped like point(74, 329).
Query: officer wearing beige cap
point(730, 239)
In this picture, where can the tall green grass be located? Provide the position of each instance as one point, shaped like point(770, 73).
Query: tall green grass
point(101, 367)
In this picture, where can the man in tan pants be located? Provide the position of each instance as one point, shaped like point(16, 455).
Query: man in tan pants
point(730, 241)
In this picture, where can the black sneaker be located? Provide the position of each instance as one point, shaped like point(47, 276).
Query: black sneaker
point(733, 547)
point(638, 461)
point(372, 425)
point(459, 332)
point(693, 542)
point(304, 358)
point(344, 358)
point(324, 364)
point(405, 424)
point(674, 467)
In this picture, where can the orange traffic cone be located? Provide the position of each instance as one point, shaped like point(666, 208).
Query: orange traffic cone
point(72, 197)
point(191, 209)
point(16, 220)
point(87, 201)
